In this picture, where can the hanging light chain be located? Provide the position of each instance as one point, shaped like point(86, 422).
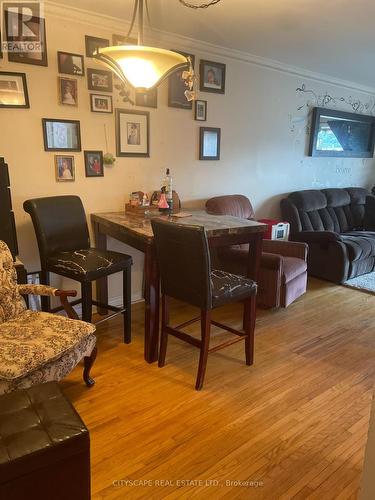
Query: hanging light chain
point(201, 6)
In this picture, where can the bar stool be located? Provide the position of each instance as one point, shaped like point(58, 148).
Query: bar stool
point(186, 275)
point(64, 247)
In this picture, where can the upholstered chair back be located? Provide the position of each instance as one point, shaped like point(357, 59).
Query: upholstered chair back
point(11, 302)
point(338, 210)
point(236, 205)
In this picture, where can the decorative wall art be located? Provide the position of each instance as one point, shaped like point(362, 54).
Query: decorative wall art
point(132, 133)
point(101, 103)
point(64, 168)
point(13, 90)
point(94, 163)
point(61, 135)
point(70, 64)
point(200, 110)
point(209, 143)
point(177, 88)
point(36, 25)
point(92, 43)
point(68, 91)
point(147, 99)
point(98, 79)
point(212, 77)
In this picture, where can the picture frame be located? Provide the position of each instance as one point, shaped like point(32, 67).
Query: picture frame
point(37, 25)
point(61, 135)
point(99, 79)
point(200, 110)
point(177, 87)
point(132, 133)
point(64, 168)
point(67, 91)
point(147, 99)
point(209, 143)
point(13, 90)
point(100, 103)
point(70, 64)
point(92, 43)
point(94, 166)
point(212, 76)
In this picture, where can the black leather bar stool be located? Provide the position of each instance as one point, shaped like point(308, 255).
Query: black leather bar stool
point(64, 248)
point(186, 275)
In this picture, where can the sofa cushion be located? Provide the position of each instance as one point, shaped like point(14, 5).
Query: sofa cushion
point(360, 244)
point(308, 200)
point(33, 339)
point(293, 267)
point(336, 197)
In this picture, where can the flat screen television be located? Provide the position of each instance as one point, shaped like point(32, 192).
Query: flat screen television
point(341, 134)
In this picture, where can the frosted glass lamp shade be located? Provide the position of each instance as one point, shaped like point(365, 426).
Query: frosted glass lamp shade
point(141, 67)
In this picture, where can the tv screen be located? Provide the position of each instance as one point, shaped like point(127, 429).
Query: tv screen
point(340, 134)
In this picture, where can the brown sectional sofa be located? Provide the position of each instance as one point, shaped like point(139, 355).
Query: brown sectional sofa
point(339, 227)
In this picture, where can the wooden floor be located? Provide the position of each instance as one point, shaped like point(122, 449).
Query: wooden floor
point(294, 425)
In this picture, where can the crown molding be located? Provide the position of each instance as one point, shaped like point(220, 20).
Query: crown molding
point(179, 42)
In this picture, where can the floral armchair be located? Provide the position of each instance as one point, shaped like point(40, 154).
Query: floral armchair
point(38, 347)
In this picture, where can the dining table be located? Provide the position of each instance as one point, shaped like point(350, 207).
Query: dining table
point(135, 230)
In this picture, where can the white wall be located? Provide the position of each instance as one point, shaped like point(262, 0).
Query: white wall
point(263, 152)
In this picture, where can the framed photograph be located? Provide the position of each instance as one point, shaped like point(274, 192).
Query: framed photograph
point(147, 99)
point(61, 135)
point(38, 27)
point(98, 79)
point(92, 43)
point(132, 133)
point(68, 91)
point(200, 110)
point(123, 40)
point(70, 64)
point(212, 77)
point(101, 103)
point(13, 90)
point(94, 163)
point(64, 168)
point(209, 143)
point(177, 87)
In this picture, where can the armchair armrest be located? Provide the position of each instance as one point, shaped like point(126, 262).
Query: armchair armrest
point(44, 290)
point(286, 248)
point(317, 236)
point(271, 261)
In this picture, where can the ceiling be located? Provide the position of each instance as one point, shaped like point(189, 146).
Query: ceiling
point(333, 37)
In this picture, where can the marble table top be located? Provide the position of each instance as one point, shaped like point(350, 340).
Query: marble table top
point(215, 225)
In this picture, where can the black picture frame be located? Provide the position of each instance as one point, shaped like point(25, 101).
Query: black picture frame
point(206, 66)
point(48, 147)
point(88, 168)
point(91, 85)
point(24, 57)
point(94, 108)
point(148, 99)
point(68, 67)
point(129, 153)
point(203, 147)
point(21, 76)
point(196, 111)
point(177, 87)
point(366, 120)
point(92, 43)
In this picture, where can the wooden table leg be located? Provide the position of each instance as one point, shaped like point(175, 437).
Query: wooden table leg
point(152, 300)
point(102, 283)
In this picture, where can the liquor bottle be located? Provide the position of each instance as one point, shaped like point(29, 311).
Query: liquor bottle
point(167, 184)
point(163, 204)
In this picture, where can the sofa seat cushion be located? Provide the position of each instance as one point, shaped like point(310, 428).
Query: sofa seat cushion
point(293, 267)
point(227, 287)
point(33, 339)
point(360, 244)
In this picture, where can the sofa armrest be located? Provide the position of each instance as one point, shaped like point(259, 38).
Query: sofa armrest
point(369, 220)
point(271, 261)
point(286, 248)
point(317, 236)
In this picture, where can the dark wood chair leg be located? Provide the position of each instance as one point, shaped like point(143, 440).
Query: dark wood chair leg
point(164, 334)
point(45, 301)
point(205, 344)
point(127, 301)
point(249, 328)
point(88, 362)
point(86, 289)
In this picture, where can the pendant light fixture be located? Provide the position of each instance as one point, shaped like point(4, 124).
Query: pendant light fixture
point(141, 67)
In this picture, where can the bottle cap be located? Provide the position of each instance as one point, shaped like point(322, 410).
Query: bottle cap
point(167, 172)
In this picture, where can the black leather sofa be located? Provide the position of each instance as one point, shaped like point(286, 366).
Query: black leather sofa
point(339, 227)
